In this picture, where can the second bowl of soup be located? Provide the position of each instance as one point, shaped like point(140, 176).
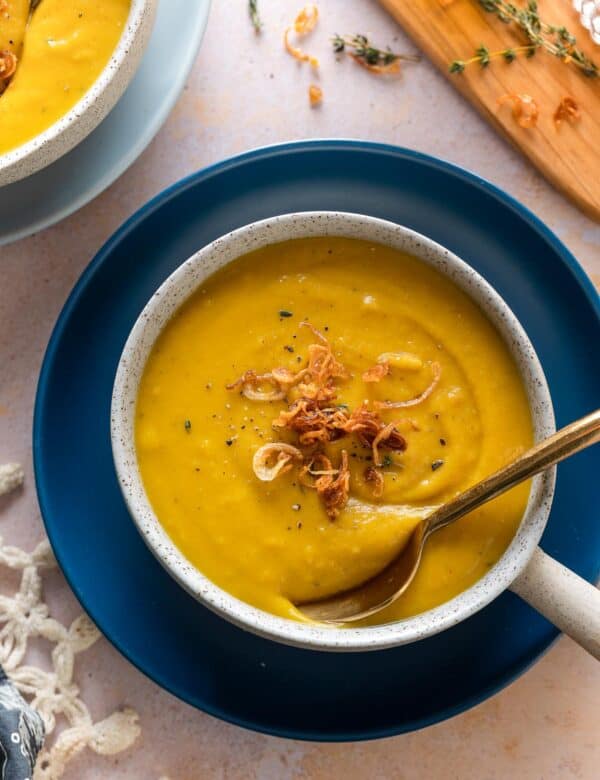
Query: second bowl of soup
point(63, 66)
point(298, 395)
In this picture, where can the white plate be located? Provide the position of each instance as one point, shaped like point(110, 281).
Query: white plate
point(68, 184)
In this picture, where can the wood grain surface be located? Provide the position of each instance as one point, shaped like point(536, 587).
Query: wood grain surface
point(568, 155)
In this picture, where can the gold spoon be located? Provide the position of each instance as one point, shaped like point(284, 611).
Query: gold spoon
point(384, 588)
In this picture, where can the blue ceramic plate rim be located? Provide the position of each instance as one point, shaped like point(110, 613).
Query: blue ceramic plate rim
point(528, 216)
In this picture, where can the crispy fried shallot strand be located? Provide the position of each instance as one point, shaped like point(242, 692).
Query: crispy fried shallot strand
point(436, 371)
point(376, 373)
point(524, 108)
point(273, 459)
point(304, 23)
point(332, 485)
point(315, 95)
point(250, 382)
point(375, 478)
point(8, 65)
point(567, 110)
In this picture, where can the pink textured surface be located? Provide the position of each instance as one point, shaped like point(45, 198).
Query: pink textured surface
point(545, 724)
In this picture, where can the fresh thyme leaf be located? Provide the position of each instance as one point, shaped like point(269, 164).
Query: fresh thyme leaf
point(484, 55)
point(557, 41)
point(254, 15)
point(284, 313)
point(360, 48)
point(338, 44)
point(437, 464)
point(387, 461)
point(187, 425)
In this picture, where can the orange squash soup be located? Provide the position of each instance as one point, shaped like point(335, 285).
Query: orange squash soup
point(309, 404)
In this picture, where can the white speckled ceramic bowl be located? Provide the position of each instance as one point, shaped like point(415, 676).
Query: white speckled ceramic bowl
point(91, 109)
point(519, 559)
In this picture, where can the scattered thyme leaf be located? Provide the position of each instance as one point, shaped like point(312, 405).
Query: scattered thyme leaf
point(483, 53)
point(387, 461)
point(360, 49)
point(187, 425)
point(437, 464)
point(284, 313)
point(457, 66)
point(254, 15)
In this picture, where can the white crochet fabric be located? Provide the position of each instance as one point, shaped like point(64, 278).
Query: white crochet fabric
point(52, 693)
point(11, 477)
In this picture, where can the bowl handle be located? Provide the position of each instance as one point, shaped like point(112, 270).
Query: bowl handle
point(563, 597)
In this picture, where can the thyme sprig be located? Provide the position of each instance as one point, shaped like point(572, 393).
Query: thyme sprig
point(254, 15)
point(554, 39)
point(484, 56)
point(361, 48)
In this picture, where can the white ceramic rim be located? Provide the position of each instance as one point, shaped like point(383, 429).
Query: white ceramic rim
point(172, 294)
point(13, 164)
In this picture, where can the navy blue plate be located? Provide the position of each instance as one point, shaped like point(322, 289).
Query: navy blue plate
point(151, 620)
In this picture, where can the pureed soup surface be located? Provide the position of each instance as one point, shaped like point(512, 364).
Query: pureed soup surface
point(61, 49)
point(279, 542)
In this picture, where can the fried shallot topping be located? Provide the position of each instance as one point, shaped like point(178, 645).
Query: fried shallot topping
point(375, 478)
point(332, 485)
point(315, 465)
point(402, 360)
point(312, 423)
point(567, 110)
point(252, 386)
point(376, 373)
point(372, 432)
point(524, 108)
point(304, 23)
point(8, 65)
point(315, 421)
point(437, 372)
point(315, 382)
point(405, 361)
point(274, 459)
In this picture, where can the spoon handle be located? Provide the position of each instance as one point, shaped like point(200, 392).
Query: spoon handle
point(569, 440)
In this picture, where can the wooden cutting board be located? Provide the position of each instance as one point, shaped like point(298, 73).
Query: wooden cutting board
point(569, 156)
